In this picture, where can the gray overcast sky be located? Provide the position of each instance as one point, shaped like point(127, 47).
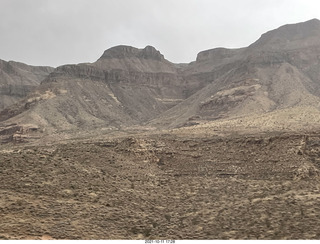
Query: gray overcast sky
point(57, 32)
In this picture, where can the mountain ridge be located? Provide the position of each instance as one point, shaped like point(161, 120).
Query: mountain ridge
point(287, 35)
point(128, 86)
point(124, 51)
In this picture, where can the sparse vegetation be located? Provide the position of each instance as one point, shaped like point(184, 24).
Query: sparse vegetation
point(250, 189)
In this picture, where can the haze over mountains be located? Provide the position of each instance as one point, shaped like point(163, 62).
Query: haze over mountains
point(128, 86)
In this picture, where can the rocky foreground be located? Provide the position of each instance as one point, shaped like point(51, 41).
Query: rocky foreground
point(163, 187)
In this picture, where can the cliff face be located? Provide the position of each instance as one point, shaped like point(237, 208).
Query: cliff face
point(17, 80)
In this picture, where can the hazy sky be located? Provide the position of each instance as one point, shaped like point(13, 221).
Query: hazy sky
point(57, 32)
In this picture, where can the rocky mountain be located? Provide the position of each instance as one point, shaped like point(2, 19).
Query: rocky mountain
point(18, 79)
point(278, 71)
point(128, 86)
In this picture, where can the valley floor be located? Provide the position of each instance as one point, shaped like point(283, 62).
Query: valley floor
point(163, 186)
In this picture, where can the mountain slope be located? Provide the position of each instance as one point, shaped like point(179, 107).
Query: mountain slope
point(18, 79)
point(125, 87)
point(280, 70)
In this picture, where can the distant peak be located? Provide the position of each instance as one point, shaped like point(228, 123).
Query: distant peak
point(316, 21)
point(309, 25)
point(123, 51)
point(120, 51)
point(150, 52)
point(297, 35)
